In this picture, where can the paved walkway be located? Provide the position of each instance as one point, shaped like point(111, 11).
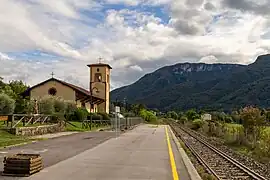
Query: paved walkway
point(140, 154)
point(53, 135)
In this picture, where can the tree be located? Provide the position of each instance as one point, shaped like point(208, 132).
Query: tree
point(46, 105)
point(7, 104)
point(148, 116)
point(18, 87)
point(192, 115)
point(172, 114)
point(2, 84)
point(253, 123)
point(14, 89)
point(136, 108)
point(112, 107)
point(236, 117)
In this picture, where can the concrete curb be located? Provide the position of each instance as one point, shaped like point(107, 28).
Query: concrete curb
point(193, 174)
point(68, 133)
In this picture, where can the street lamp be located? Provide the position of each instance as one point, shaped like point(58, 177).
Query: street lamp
point(126, 115)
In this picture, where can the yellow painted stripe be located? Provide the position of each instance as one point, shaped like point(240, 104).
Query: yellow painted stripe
point(173, 165)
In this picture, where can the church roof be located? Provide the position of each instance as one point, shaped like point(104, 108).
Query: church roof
point(72, 86)
point(99, 64)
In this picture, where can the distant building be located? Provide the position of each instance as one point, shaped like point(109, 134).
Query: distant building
point(99, 86)
point(206, 117)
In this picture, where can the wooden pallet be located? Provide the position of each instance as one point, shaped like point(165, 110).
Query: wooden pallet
point(22, 165)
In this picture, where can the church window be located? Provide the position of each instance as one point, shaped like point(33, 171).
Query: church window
point(98, 77)
point(52, 91)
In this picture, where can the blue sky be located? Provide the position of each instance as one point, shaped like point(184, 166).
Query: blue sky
point(134, 36)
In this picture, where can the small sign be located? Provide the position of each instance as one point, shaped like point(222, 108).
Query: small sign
point(3, 118)
point(117, 109)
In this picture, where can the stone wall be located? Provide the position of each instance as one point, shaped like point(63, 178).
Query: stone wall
point(38, 130)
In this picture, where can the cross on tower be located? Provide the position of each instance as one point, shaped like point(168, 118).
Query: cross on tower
point(99, 60)
point(52, 74)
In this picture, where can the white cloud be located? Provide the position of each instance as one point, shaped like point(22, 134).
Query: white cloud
point(136, 68)
point(133, 41)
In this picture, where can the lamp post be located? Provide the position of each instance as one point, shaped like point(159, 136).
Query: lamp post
point(125, 106)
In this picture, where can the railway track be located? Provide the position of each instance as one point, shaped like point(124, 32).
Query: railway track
point(216, 162)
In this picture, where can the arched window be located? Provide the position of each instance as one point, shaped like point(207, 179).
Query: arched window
point(52, 91)
point(98, 77)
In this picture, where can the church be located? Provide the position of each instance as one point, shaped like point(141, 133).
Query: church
point(96, 99)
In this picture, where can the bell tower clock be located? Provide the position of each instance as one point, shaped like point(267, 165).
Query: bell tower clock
point(100, 84)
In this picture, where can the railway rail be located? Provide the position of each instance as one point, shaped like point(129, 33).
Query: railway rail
point(216, 162)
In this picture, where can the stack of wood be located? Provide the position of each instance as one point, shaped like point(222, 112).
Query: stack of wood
point(22, 164)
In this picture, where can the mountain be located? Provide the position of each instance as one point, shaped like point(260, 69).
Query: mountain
point(200, 85)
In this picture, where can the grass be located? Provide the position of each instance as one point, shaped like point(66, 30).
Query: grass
point(7, 139)
point(261, 153)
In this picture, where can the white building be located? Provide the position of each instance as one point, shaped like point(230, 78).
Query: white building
point(206, 117)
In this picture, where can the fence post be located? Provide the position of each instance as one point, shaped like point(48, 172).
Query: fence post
point(12, 120)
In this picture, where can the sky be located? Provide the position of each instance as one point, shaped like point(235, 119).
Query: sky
point(135, 37)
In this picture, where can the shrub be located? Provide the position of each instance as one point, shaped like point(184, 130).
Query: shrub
point(183, 119)
point(70, 107)
point(104, 116)
point(46, 105)
point(60, 105)
point(197, 124)
point(148, 116)
point(7, 104)
point(263, 147)
point(80, 114)
point(95, 116)
point(30, 107)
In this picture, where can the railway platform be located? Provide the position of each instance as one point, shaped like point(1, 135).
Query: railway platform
point(146, 152)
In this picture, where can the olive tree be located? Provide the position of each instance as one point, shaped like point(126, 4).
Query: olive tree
point(7, 104)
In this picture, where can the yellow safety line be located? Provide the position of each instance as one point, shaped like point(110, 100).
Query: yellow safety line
point(173, 165)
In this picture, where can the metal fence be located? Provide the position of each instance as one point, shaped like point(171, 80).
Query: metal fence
point(125, 123)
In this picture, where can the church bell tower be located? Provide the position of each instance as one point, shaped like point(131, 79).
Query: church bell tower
point(100, 84)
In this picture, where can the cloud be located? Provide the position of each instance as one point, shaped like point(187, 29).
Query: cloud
point(261, 7)
point(134, 37)
point(189, 18)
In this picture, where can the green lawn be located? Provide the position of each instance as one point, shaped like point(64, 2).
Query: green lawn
point(7, 139)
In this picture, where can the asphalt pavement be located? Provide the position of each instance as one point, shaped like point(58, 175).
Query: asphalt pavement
point(140, 154)
point(58, 149)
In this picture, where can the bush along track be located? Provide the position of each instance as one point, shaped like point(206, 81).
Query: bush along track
point(216, 162)
point(260, 168)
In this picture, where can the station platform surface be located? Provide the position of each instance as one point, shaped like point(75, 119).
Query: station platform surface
point(144, 153)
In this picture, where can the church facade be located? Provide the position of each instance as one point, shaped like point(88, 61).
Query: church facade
point(96, 99)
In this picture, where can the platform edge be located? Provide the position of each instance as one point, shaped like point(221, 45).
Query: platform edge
point(192, 172)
